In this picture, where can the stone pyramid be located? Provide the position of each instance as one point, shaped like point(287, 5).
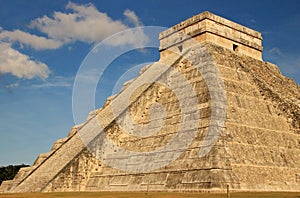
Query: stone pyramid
point(208, 114)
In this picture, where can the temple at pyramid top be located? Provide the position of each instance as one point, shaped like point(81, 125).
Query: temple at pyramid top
point(207, 27)
point(208, 98)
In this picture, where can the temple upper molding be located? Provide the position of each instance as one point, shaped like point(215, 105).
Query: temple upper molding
point(207, 27)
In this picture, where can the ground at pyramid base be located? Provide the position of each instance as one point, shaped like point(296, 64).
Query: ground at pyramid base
point(247, 115)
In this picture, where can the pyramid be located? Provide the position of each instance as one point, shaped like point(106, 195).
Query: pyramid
point(208, 114)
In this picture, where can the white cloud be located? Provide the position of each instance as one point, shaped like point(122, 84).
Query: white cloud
point(131, 16)
point(13, 85)
point(20, 65)
point(36, 42)
point(276, 51)
point(57, 81)
point(135, 37)
point(79, 23)
point(85, 23)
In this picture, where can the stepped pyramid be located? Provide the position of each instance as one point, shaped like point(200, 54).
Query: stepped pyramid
point(210, 113)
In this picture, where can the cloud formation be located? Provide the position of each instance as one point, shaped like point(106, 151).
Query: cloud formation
point(57, 81)
point(36, 42)
point(85, 23)
point(20, 65)
point(276, 51)
point(131, 16)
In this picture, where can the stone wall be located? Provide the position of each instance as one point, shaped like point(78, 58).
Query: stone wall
point(207, 27)
point(264, 135)
point(257, 149)
point(188, 172)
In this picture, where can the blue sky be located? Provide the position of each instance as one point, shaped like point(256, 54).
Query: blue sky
point(43, 43)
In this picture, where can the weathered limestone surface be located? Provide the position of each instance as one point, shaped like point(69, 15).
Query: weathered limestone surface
point(258, 148)
point(207, 27)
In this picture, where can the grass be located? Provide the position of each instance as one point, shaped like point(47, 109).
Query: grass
point(149, 195)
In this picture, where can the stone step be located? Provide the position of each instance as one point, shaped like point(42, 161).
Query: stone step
point(58, 143)
point(93, 114)
point(39, 160)
point(6, 186)
point(66, 150)
point(127, 83)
